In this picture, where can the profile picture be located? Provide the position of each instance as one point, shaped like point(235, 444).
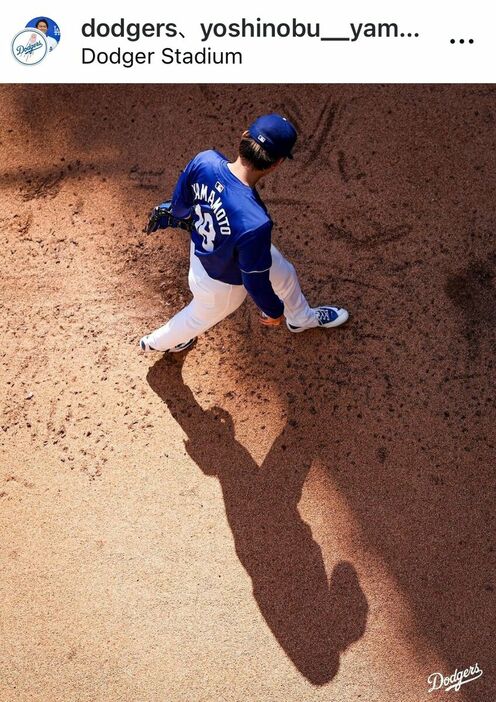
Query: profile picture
point(49, 28)
point(29, 47)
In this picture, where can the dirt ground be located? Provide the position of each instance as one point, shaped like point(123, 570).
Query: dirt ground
point(272, 517)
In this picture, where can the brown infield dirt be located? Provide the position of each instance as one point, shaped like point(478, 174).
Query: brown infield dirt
point(272, 516)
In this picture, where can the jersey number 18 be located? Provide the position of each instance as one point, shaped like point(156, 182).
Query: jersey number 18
point(204, 225)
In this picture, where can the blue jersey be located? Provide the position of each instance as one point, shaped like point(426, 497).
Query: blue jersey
point(232, 228)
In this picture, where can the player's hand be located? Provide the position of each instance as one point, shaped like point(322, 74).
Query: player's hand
point(270, 321)
point(161, 217)
point(158, 218)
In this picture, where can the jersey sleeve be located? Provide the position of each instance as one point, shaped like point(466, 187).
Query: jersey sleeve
point(183, 196)
point(261, 291)
point(254, 250)
point(255, 260)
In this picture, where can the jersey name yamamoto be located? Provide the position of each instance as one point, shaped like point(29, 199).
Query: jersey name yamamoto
point(232, 229)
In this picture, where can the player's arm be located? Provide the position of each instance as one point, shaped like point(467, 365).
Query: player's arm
point(182, 198)
point(260, 290)
point(255, 260)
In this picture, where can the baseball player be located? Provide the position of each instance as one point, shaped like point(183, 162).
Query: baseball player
point(42, 26)
point(231, 251)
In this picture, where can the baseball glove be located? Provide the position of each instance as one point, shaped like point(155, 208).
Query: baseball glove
point(161, 217)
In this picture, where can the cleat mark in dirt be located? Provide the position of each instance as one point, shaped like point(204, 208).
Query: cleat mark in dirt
point(146, 180)
point(42, 183)
point(324, 127)
point(44, 187)
point(381, 234)
point(342, 167)
point(345, 171)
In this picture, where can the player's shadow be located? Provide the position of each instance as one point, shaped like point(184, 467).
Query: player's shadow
point(313, 618)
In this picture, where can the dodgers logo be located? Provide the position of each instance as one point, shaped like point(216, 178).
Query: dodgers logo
point(29, 46)
point(438, 681)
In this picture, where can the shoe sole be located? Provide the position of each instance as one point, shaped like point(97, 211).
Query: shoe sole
point(183, 348)
point(336, 323)
point(150, 349)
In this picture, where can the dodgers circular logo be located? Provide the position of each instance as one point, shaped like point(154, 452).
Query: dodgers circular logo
point(29, 47)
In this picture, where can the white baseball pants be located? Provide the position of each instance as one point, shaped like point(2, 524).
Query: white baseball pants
point(213, 301)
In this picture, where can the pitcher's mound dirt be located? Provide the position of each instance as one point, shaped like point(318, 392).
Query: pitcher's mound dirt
point(274, 516)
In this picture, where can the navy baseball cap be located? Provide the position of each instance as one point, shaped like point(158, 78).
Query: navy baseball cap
point(275, 134)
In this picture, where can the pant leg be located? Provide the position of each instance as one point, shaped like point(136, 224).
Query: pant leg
point(212, 302)
point(286, 285)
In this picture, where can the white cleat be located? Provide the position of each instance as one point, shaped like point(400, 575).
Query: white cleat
point(145, 346)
